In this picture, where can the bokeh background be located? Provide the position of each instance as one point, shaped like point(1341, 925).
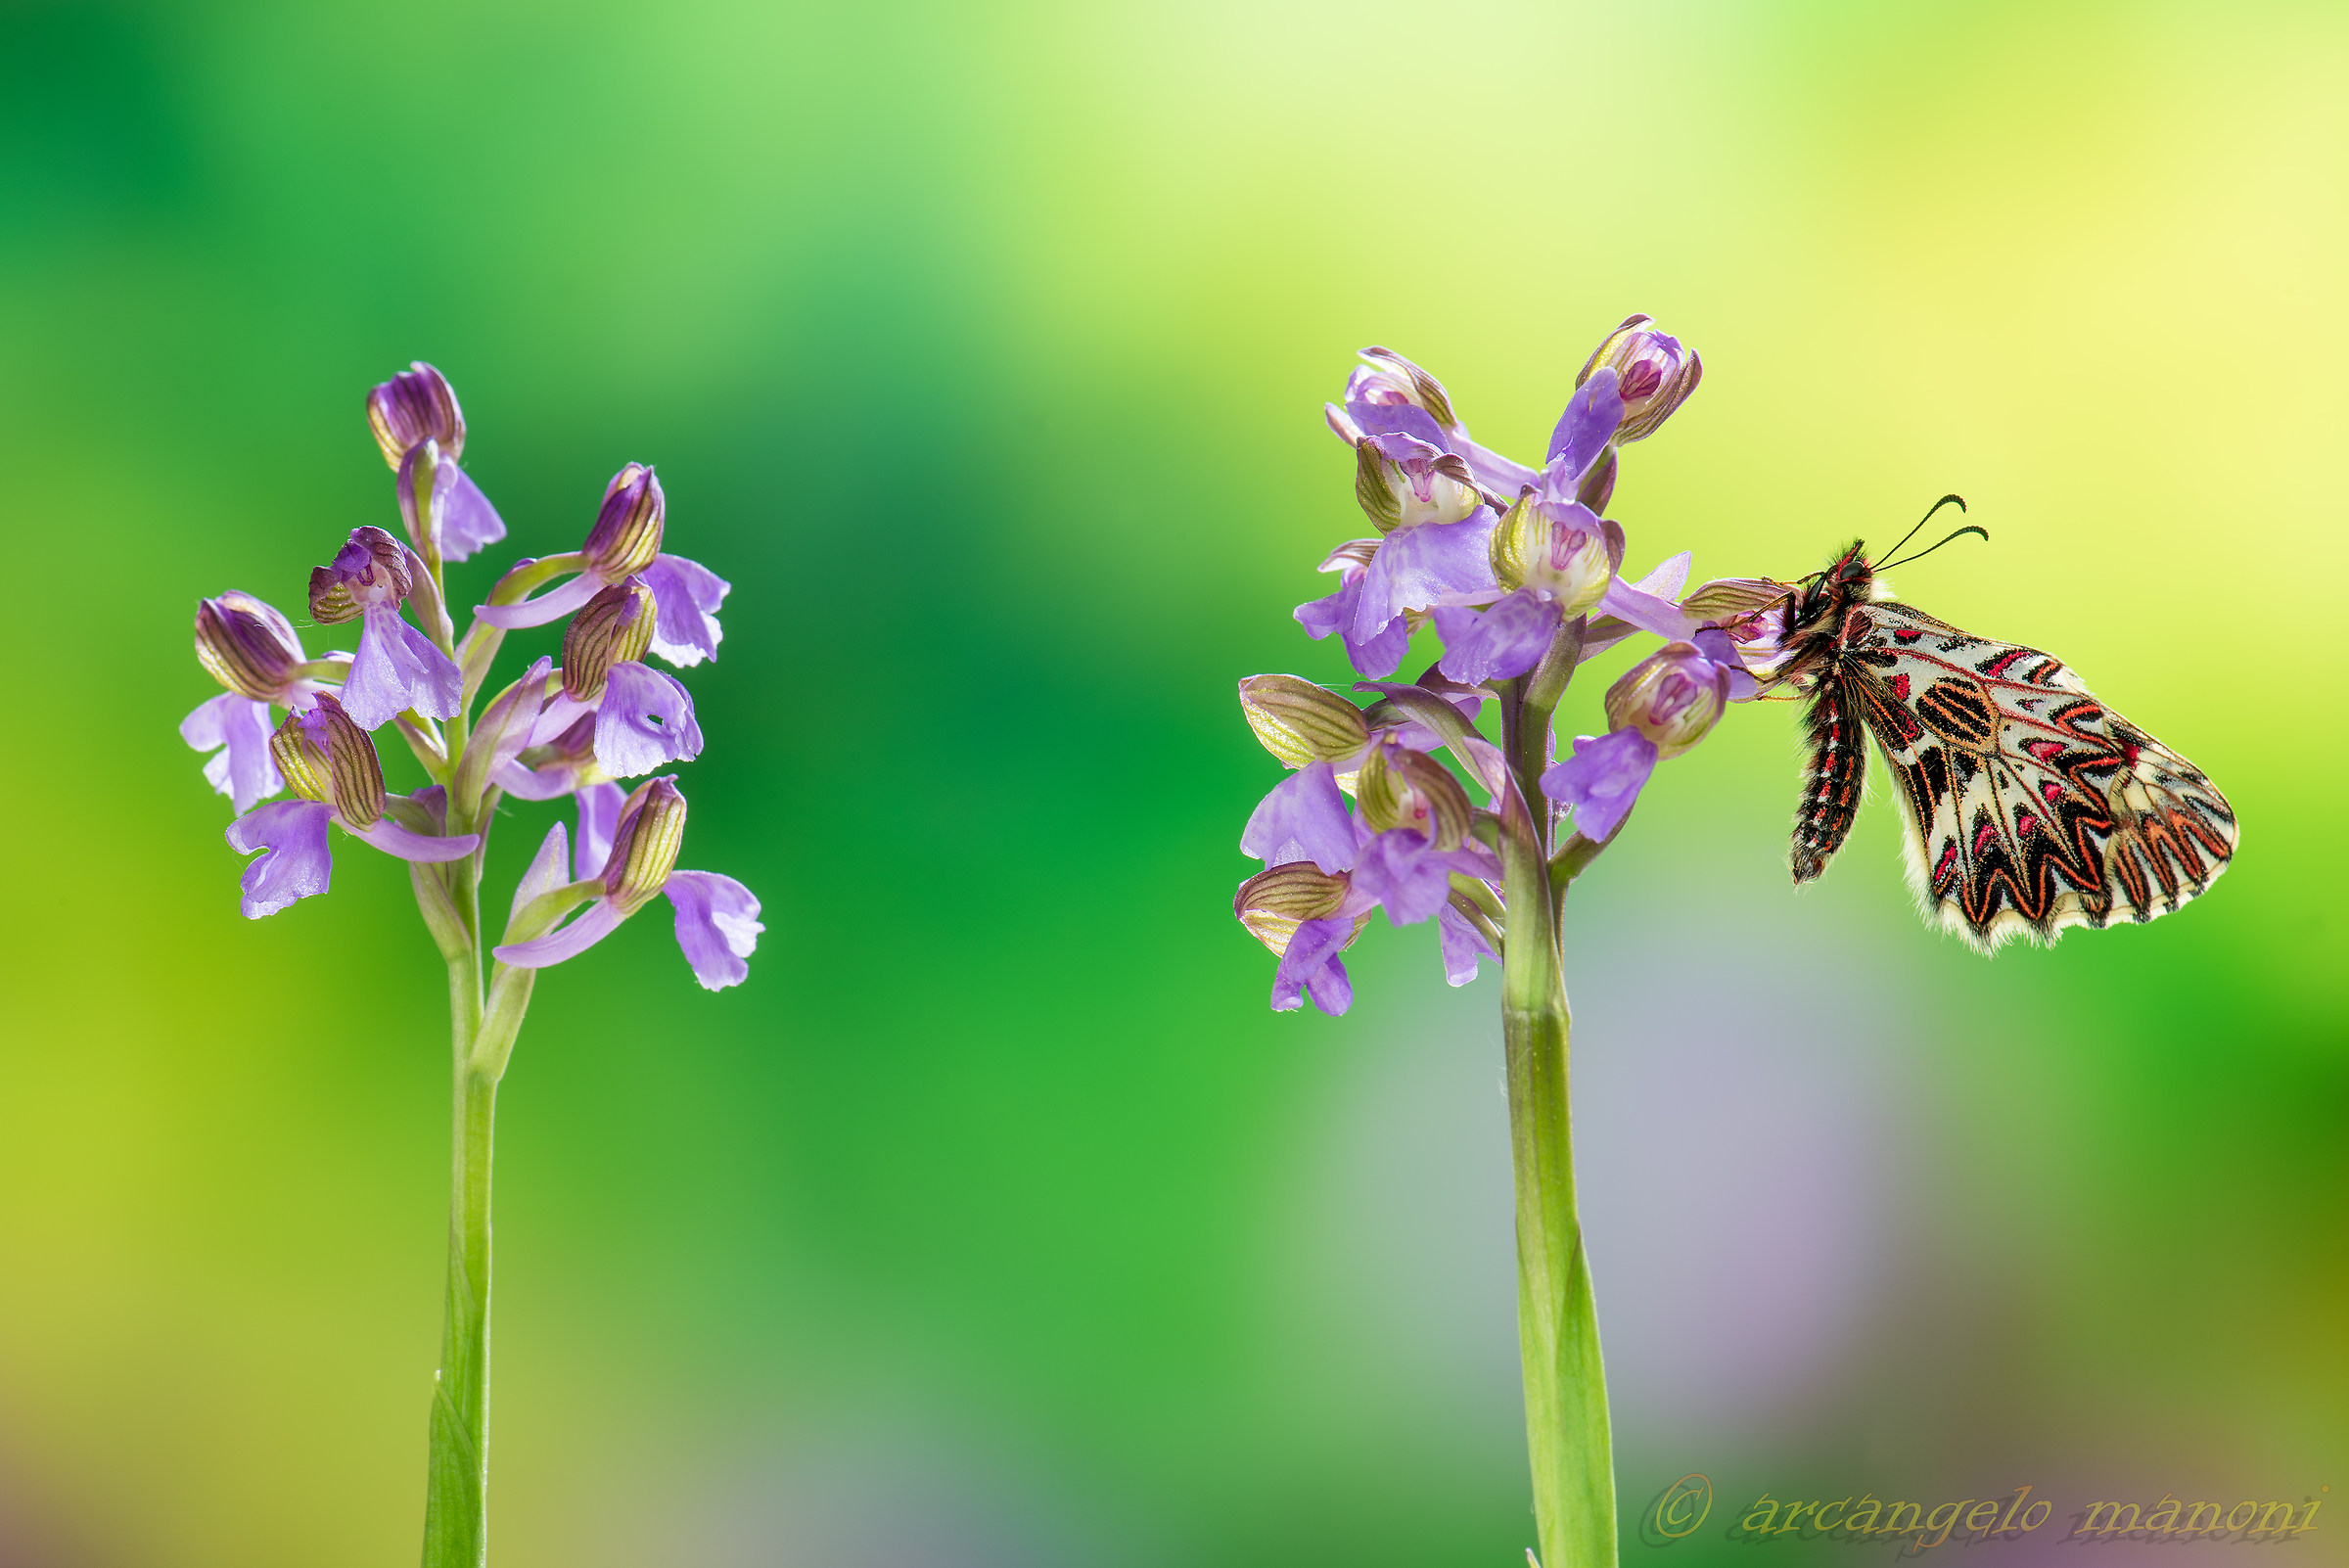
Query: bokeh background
point(996, 1222)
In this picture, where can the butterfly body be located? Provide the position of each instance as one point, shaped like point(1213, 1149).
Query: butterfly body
point(2030, 806)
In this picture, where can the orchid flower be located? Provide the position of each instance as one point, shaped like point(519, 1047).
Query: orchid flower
point(252, 649)
point(421, 430)
point(626, 542)
point(332, 766)
point(629, 849)
point(396, 668)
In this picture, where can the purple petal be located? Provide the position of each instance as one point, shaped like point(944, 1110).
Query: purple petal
point(296, 863)
point(1408, 876)
point(1495, 474)
point(644, 720)
point(1381, 653)
point(507, 724)
point(1588, 425)
point(1419, 567)
point(546, 872)
point(551, 782)
point(561, 711)
point(598, 922)
point(1601, 780)
point(1311, 967)
point(1402, 419)
point(1714, 644)
point(468, 521)
point(718, 925)
point(1321, 616)
point(1650, 612)
point(1462, 944)
point(552, 605)
point(1501, 644)
point(244, 769)
point(1303, 818)
point(392, 839)
point(397, 667)
point(686, 596)
point(599, 816)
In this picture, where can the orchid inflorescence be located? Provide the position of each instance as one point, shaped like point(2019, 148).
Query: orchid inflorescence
point(1518, 571)
point(572, 726)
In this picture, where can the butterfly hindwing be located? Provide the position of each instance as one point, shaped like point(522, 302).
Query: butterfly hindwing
point(2029, 805)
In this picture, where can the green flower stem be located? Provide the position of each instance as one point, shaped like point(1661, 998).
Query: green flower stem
point(456, 1503)
point(1567, 1432)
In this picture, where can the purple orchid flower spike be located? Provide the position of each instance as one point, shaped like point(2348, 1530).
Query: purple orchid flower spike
point(396, 667)
point(717, 918)
point(331, 763)
point(252, 649)
point(626, 542)
point(421, 430)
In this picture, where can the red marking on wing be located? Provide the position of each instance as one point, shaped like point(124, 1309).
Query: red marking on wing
point(1997, 666)
point(1900, 687)
point(2025, 822)
point(1942, 867)
point(1983, 837)
point(2047, 750)
point(1906, 636)
point(2052, 791)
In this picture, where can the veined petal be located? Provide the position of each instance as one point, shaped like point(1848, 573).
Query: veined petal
point(599, 816)
point(468, 521)
point(1303, 818)
point(686, 596)
point(551, 782)
point(244, 769)
point(546, 872)
point(599, 921)
point(1332, 613)
point(718, 925)
point(1501, 477)
point(552, 605)
point(296, 862)
point(392, 839)
point(645, 719)
point(1647, 611)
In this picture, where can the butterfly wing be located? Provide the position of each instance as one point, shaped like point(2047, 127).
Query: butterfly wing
point(2030, 806)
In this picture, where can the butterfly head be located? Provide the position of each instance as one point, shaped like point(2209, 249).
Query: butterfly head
point(1844, 582)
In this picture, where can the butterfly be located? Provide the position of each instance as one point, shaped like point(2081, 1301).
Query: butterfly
point(2031, 806)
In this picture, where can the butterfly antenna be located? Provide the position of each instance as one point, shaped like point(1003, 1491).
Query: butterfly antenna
point(1948, 500)
point(1929, 549)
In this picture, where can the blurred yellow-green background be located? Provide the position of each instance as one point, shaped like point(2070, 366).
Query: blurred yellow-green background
point(995, 1221)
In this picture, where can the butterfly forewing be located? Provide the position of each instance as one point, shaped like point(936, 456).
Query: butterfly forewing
point(2029, 805)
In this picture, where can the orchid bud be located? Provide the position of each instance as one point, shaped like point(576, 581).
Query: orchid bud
point(615, 628)
point(1654, 373)
point(1400, 788)
point(326, 756)
point(1301, 722)
point(1387, 378)
point(246, 645)
point(626, 536)
point(414, 406)
point(1673, 697)
point(1565, 551)
point(370, 569)
point(1274, 902)
point(644, 845)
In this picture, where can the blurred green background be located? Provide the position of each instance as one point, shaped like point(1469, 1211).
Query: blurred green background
point(995, 1221)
